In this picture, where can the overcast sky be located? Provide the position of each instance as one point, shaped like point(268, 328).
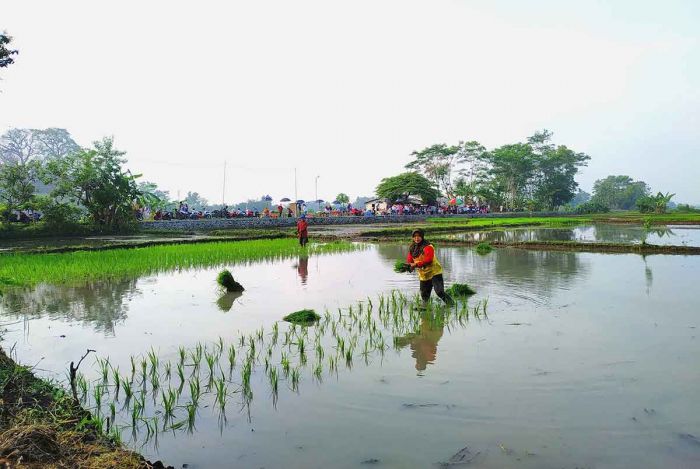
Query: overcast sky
point(347, 89)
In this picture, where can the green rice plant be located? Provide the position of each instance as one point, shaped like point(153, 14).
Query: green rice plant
point(275, 333)
point(274, 378)
point(136, 412)
point(116, 381)
point(295, 377)
point(155, 381)
point(133, 366)
point(319, 351)
point(104, 366)
point(128, 392)
point(483, 248)
point(400, 266)
point(301, 347)
point(144, 371)
point(169, 400)
point(211, 362)
point(260, 334)
point(82, 385)
point(318, 371)
point(191, 416)
point(332, 363)
point(220, 345)
point(97, 392)
point(181, 372)
point(226, 281)
point(168, 370)
point(112, 410)
point(115, 435)
point(284, 362)
point(195, 390)
point(303, 317)
point(231, 357)
point(154, 361)
point(221, 392)
point(181, 354)
point(460, 290)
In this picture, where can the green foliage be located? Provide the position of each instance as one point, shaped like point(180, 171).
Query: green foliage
point(591, 206)
point(437, 163)
point(618, 192)
point(304, 316)
point(686, 208)
point(58, 216)
point(17, 184)
point(342, 198)
point(94, 179)
point(5, 53)
point(460, 290)
point(225, 280)
point(405, 185)
point(654, 203)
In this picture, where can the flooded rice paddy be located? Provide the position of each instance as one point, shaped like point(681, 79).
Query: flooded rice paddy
point(561, 360)
point(679, 235)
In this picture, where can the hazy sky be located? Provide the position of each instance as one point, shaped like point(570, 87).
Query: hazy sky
point(347, 89)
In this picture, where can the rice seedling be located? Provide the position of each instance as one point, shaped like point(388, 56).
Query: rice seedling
point(195, 390)
point(400, 266)
point(154, 361)
point(169, 400)
point(167, 370)
point(226, 281)
point(319, 351)
point(128, 392)
point(460, 290)
point(133, 366)
point(181, 372)
point(144, 371)
point(260, 334)
point(483, 248)
point(274, 378)
point(104, 369)
point(112, 410)
point(318, 371)
point(116, 435)
point(231, 357)
point(191, 416)
point(82, 385)
point(221, 392)
point(295, 377)
point(332, 364)
point(220, 345)
point(117, 382)
point(284, 362)
point(303, 317)
point(97, 396)
point(211, 362)
point(182, 353)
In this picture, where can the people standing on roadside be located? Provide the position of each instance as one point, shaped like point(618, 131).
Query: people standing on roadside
point(303, 230)
point(421, 256)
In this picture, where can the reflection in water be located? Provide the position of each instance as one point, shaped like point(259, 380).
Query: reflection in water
point(225, 301)
point(102, 305)
point(303, 268)
point(424, 341)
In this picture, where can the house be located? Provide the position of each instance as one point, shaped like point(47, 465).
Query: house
point(379, 205)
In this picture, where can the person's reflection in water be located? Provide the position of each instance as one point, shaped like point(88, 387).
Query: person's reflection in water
point(303, 269)
point(423, 342)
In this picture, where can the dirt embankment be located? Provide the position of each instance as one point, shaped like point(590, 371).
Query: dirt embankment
point(41, 426)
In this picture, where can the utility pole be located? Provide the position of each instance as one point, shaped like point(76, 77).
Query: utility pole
point(318, 204)
point(223, 191)
point(296, 197)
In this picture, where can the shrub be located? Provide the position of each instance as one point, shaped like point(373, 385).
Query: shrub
point(591, 207)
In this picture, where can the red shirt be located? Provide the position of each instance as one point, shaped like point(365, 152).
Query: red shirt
point(302, 227)
point(426, 258)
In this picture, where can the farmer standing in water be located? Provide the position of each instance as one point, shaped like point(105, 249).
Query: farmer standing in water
point(303, 230)
point(421, 256)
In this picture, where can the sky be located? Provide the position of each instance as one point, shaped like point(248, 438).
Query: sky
point(345, 90)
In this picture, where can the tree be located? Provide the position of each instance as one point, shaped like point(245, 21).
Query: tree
point(581, 197)
point(619, 192)
point(5, 53)
point(55, 143)
point(342, 198)
point(193, 200)
point(94, 179)
point(437, 162)
point(405, 185)
point(154, 197)
point(654, 203)
point(16, 185)
point(510, 169)
point(19, 146)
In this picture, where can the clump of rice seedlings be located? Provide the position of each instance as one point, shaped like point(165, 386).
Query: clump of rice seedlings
point(195, 390)
point(303, 317)
point(245, 377)
point(295, 376)
point(191, 416)
point(83, 386)
point(103, 364)
point(128, 392)
point(168, 370)
point(226, 281)
point(319, 351)
point(332, 364)
point(117, 382)
point(318, 371)
point(400, 266)
point(112, 410)
point(144, 371)
point(211, 361)
point(274, 378)
point(181, 354)
point(221, 392)
point(260, 334)
point(231, 357)
point(460, 290)
point(155, 382)
point(115, 435)
point(181, 372)
point(154, 361)
point(97, 396)
point(275, 333)
point(483, 248)
point(284, 362)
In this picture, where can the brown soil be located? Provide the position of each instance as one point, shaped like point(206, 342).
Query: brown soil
point(42, 427)
point(645, 249)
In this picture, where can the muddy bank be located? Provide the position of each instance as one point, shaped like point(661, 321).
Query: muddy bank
point(42, 427)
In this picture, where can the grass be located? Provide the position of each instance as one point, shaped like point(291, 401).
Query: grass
point(304, 317)
point(226, 281)
point(460, 290)
point(83, 266)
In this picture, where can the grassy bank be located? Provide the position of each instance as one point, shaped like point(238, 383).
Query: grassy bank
point(41, 426)
point(575, 246)
point(82, 266)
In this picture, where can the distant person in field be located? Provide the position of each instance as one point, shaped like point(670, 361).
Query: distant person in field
point(303, 230)
point(421, 257)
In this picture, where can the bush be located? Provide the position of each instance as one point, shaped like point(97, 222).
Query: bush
point(591, 207)
point(686, 208)
point(57, 215)
point(646, 204)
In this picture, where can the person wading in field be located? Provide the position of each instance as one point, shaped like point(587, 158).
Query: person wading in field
point(303, 230)
point(421, 256)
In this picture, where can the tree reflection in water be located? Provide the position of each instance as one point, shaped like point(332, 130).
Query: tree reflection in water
point(101, 305)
